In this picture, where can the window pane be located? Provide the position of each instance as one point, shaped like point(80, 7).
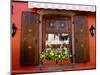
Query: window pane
point(57, 39)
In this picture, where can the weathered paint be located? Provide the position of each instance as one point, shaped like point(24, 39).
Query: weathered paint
point(18, 8)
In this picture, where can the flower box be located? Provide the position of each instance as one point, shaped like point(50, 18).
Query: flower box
point(49, 62)
point(67, 61)
point(45, 62)
point(52, 62)
point(59, 62)
point(51, 57)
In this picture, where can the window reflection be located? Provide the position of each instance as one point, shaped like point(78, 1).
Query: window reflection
point(56, 39)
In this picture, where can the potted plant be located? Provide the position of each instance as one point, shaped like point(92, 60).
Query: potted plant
point(63, 56)
point(51, 56)
point(59, 57)
point(43, 58)
point(66, 56)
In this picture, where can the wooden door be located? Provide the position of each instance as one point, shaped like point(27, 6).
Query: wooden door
point(29, 39)
point(81, 39)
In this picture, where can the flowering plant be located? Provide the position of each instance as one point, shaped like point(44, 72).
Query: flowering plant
point(43, 56)
point(51, 55)
point(66, 54)
point(61, 55)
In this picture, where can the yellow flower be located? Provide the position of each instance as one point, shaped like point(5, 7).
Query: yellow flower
point(59, 56)
point(52, 53)
point(65, 48)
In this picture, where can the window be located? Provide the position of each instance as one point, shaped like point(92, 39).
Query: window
point(56, 32)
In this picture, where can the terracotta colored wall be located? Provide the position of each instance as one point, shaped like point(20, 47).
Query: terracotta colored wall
point(92, 40)
point(16, 18)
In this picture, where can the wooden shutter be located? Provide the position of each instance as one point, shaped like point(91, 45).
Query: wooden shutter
point(81, 39)
point(29, 39)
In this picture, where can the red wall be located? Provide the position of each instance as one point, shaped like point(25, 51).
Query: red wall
point(92, 40)
point(16, 18)
point(18, 7)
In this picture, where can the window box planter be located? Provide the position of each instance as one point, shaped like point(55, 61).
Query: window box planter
point(49, 62)
point(59, 62)
point(51, 57)
point(45, 62)
point(52, 62)
point(67, 61)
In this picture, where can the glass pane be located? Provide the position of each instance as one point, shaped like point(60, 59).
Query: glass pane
point(57, 40)
point(60, 24)
point(51, 23)
point(56, 24)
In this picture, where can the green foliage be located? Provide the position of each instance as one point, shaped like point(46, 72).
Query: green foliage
point(51, 55)
point(43, 56)
point(66, 54)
